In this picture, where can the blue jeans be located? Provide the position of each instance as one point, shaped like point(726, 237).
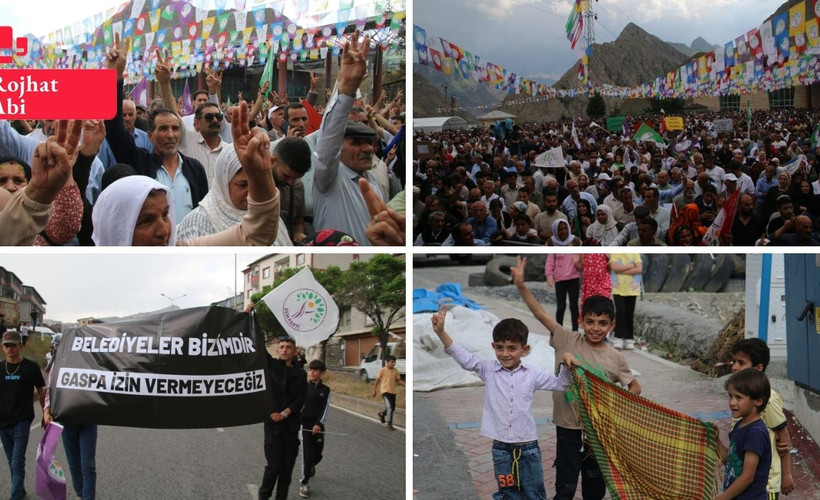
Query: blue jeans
point(15, 441)
point(518, 471)
point(80, 442)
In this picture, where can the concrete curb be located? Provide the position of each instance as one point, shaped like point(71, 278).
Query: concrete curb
point(367, 408)
point(658, 359)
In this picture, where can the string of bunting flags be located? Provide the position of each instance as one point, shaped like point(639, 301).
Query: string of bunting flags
point(780, 53)
point(215, 37)
point(458, 61)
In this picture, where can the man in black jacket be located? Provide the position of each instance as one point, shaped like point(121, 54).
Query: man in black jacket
point(282, 430)
point(314, 414)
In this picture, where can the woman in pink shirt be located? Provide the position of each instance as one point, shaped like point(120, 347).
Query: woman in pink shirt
point(563, 273)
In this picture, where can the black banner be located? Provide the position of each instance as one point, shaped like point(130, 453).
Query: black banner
point(193, 368)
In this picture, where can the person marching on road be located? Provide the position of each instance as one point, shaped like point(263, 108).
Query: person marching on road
point(19, 377)
point(388, 377)
point(314, 414)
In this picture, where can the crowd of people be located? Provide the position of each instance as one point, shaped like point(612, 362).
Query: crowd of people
point(484, 186)
point(248, 174)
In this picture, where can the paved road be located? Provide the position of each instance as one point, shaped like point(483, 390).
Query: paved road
point(369, 462)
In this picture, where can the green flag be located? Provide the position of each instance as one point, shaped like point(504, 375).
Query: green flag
point(267, 74)
point(647, 134)
point(228, 105)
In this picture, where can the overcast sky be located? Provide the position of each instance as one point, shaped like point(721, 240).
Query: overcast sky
point(101, 285)
point(40, 17)
point(528, 36)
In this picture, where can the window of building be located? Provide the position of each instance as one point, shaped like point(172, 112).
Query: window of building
point(300, 259)
point(783, 98)
point(266, 273)
point(729, 102)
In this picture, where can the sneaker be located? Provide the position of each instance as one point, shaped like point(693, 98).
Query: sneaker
point(390, 426)
point(617, 343)
point(629, 345)
point(381, 416)
point(304, 491)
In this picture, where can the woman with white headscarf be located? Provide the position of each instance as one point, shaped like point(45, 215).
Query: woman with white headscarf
point(562, 236)
point(137, 210)
point(603, 231)
point(225, 204)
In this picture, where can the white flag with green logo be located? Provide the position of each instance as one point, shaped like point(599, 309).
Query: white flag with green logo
point(551, 158)
point(304, 308)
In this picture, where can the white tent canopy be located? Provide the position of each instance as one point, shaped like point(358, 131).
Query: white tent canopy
point(439, 123)
point(495, 115)
point(473, 330)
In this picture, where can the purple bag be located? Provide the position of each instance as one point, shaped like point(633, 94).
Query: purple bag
point(50, 478)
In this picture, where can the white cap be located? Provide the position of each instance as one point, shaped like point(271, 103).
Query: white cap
point(730, 177)
point(603, 176)
point(271, 110)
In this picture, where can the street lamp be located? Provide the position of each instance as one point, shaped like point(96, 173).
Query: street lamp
point(172, 299)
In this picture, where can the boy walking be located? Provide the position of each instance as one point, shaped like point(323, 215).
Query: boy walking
point(314, 414)
point(573, 457)
point(507, 417)
point(388, 377)
point(754, 353)
point(749, 456)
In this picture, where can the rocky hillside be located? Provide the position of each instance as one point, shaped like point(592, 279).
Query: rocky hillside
point(633, 58)
point(428, 93)
point(699, 45)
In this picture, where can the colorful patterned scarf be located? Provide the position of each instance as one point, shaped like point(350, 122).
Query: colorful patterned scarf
point(644, 450)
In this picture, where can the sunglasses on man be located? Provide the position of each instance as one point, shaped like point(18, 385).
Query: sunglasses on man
point(211, 116)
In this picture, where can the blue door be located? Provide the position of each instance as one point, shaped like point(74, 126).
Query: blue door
point(802, 322)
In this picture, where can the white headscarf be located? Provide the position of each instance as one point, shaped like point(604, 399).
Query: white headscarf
point(558, 242)
point(118, 207)
point(216, 212)
point(604, 234)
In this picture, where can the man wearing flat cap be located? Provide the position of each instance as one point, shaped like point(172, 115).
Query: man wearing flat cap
point(18, 378)
point(344, 154)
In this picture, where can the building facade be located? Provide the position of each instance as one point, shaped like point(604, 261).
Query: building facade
point(19, 301)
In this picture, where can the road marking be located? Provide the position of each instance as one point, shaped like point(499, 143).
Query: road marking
point(253, 490)
point(220, 429)
point(363, 416)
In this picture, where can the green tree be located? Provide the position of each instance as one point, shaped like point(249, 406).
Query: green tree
point(328, 278)
point(596, 106)
point(669, 106)
point(377, 288)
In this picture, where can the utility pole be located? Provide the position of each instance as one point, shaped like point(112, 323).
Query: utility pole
point(589, 37)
